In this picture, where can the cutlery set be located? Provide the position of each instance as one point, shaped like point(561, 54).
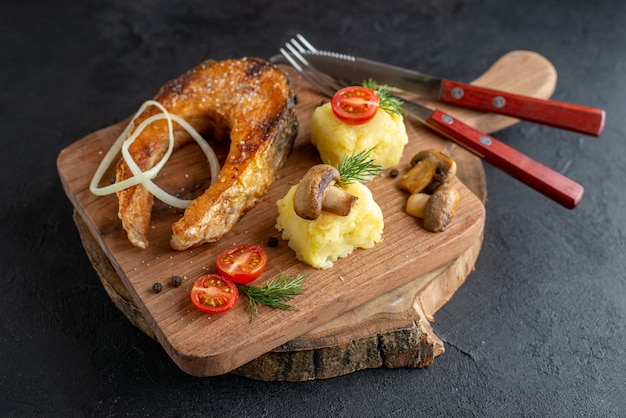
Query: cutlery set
point(329, 71)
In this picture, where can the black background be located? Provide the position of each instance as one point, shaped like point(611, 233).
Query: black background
point(537, 330)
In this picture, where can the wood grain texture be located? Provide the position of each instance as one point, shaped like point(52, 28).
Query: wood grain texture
point(188, 336)
point(370, 336)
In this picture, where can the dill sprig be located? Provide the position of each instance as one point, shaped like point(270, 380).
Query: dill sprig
point(357, 167)
point(274, 293)
point(388, 102)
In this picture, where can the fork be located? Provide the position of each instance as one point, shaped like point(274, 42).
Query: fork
point(539, 177)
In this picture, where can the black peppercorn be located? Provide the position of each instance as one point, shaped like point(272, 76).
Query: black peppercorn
point(177, 281)
point(393, 173)
point(157, 287)
point(272, 242)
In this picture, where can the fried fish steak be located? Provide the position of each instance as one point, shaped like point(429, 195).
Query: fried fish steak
point(247, 100)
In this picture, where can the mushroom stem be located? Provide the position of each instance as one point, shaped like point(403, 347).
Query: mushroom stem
point(416, 204)
point(338, 201)
point(317, 192)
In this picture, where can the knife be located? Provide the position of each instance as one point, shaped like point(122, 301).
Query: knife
point(539, 177)
point(582, 119)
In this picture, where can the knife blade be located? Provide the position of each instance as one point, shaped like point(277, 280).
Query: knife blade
point(573, 117)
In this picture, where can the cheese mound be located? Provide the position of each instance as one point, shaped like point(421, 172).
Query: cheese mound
point(320, 242)
point(385, 135)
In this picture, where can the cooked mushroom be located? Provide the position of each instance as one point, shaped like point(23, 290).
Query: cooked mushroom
point(430, 168)
point(416, 204)
point(440, 208)
point(317, 192)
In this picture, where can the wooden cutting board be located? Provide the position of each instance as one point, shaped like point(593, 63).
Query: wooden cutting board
point(406, 278)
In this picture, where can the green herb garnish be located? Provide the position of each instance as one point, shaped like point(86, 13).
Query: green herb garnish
point(388, 102)
point(274, 293)
point(357, 167)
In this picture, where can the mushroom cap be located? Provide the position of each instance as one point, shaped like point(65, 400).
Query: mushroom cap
point(428, 166)
point(440, 208)
point(309, 195)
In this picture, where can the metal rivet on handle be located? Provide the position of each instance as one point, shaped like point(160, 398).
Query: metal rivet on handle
point(485, 140)
point(499, 101)
point(457, 93)
point(447, 119)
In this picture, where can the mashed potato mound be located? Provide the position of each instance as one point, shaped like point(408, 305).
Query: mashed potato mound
point(385, 134)
point(320, 242)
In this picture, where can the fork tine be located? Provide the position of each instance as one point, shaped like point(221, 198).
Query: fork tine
point(306, 43)
point(328, 80)
point(326, 84)
point(298, 62)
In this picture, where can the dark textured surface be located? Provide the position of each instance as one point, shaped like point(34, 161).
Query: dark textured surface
point(538, 329)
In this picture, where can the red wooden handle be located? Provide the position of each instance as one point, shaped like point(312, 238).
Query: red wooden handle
point(550, 183)
point(568, 116)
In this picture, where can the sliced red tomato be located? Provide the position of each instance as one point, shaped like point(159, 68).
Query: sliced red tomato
point(355, 104)
point(242, 263)
point(214, 294)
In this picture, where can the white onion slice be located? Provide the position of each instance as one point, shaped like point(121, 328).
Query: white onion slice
point(123, 142)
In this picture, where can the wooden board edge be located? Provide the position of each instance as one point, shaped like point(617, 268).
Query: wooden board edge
point(410, 344)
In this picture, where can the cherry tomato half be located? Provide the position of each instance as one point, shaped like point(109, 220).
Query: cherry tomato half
point(214, 294)
point(242, 263)
point(355, 104)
